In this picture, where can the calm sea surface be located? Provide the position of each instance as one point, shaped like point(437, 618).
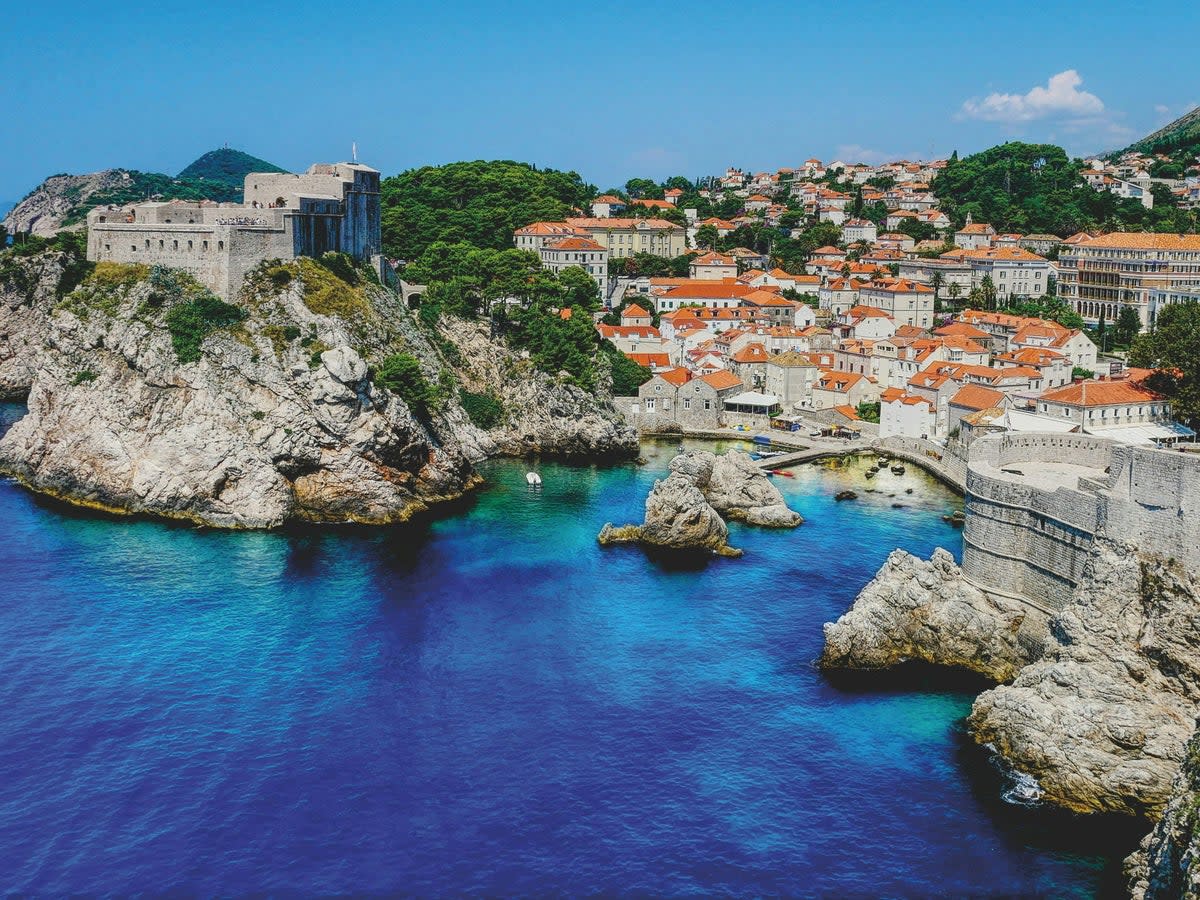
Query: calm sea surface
point(489, 703)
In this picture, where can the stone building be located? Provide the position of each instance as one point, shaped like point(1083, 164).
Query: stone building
point(583, 252)
point(283, 216)
point(1100, 275)
point(679, 399)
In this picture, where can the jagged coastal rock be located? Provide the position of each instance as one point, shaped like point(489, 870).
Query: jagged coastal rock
point(137, 405)
point(276, 418)
point(1102, 718)
point(28, 293)
point(47, 208)
point(1167, 864)
point(737, 488)
point(926, 610)
point(677, 518)
point(543, 415)
point(684, 511)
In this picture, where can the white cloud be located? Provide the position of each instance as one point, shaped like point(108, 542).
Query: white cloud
point(1162, 109)
point(1059, 99)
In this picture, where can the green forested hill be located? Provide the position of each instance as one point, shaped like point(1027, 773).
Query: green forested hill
point(226, 166)
point(1030, 188)
point(480, 203)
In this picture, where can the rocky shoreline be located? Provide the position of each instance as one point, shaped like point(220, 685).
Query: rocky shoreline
point(1095, 703)
point(276, 415)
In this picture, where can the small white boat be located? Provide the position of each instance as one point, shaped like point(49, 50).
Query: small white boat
point(533, 478)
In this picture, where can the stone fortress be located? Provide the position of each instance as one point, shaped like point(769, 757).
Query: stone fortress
point(331, 207)
point(1036, 504)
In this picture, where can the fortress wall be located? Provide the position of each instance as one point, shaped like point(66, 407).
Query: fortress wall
point(1033, 541)
point(1020, 540)
point(220, 266)
point(1153, 500)
point(1077, 449)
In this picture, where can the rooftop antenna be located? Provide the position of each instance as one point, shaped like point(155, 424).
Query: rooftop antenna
point(354, 151)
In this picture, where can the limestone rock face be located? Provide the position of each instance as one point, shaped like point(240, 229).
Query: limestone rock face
point(257, 432)
point(736, 488)
point(741, 490)
point(683, 511)
point(925, 610)
point(27, 297)
point(1102, 718)
point(677, 518)
point(1167, 864)
point(543, 415)
point(49, 205)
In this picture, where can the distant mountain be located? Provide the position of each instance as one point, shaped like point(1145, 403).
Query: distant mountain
point(1180, 135)
point(229, 167)
point(63, 201)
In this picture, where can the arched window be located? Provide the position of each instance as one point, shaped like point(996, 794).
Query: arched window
point(220, 245)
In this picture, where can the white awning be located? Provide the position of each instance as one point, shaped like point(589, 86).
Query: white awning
point(1015, 420)
point(753, 398)
point(1144, 433)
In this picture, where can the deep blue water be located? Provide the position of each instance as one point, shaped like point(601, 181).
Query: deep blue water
point(488, 703)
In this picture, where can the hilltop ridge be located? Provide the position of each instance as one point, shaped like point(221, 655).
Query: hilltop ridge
point(63, 200)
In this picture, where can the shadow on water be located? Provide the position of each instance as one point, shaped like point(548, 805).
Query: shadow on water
point(1105, 839)
point(908, 678)
point(1098, 841)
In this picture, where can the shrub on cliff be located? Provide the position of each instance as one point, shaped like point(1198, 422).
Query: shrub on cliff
point(192, 321)
point(484, 410)
point(401, 374)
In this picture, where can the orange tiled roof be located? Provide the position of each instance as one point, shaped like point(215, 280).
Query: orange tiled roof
point(1101, 393)
point(722, 380)
point(974, 396)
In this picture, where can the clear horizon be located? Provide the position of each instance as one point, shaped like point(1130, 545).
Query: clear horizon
point(153, 90)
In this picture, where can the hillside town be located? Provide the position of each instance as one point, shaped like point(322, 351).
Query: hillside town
point(904, 326)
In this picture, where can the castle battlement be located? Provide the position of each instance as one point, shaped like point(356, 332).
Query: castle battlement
point(1036, 503)
point(331, 207)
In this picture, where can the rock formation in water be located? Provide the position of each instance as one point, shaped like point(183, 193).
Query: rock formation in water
point(736, 488)
point(677, 518)
point(1167, 864)
point(1102, 718)
point(683, 511)
point(1100, 715)
point(150, 396)
point(926, 610)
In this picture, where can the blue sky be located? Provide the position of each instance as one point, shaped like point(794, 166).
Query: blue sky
point(611, 90)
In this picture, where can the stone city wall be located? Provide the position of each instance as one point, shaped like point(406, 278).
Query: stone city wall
point(1033, 540)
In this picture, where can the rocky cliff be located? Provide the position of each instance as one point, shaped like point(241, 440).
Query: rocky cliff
point(926, 610)
point(1102, 717)
point(1167, 864)
point(47, 209)
point(29, 290)
point(316, 396)
point(542, 415)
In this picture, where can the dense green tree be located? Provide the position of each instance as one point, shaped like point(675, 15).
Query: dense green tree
point(579, 289)
point(480, 203)
point(1172, 348)
point(707, 237)
point(1129, 323)
point(643, 188)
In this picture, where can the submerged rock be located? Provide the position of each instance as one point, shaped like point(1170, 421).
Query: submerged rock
point(677, 518)
point(926, 610)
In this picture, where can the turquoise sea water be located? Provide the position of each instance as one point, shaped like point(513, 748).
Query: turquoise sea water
point(489, 703)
